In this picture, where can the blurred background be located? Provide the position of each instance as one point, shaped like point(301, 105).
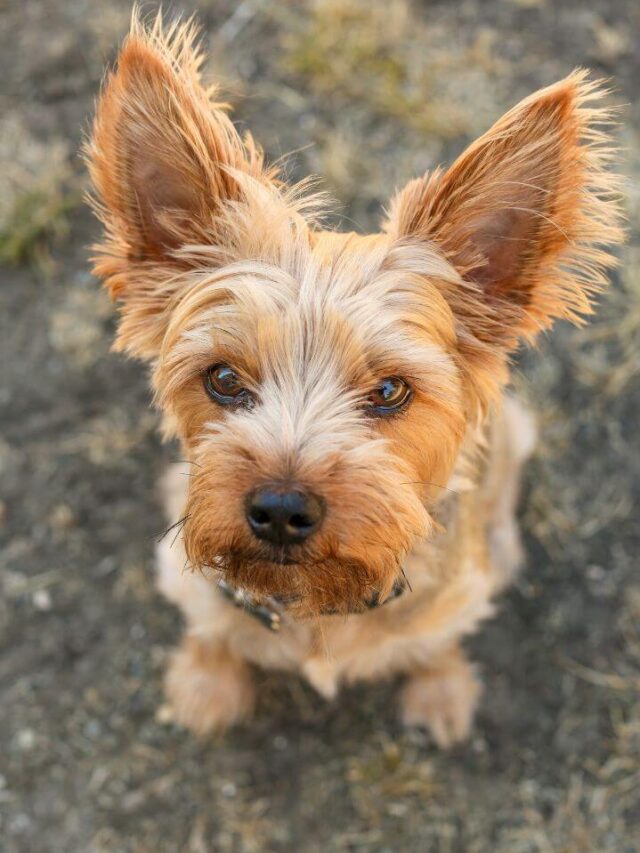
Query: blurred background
point(368, 94)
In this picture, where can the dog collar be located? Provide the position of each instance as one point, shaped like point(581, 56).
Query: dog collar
point(270, 611)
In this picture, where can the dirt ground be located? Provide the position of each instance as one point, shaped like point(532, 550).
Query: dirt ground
point(369, 94)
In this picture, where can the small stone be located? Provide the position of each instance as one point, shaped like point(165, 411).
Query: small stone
point(164, 715)
point(229, 790)
point(92, 697)
point(92, 729)
point(98, 778)
point(26, 739)
point(42, 600)
point(280, 742)
point(611, 43)
point(61, 517)
point(596, 573)
point(137, 631)
point(479, 745)
point(19, 824)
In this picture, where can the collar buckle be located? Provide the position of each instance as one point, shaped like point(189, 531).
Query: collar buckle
point(266, 612)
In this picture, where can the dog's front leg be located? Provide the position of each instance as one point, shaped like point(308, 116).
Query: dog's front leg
point(208, 688)
point(442, 698)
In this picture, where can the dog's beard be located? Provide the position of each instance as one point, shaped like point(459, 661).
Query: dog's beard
point(307, 585)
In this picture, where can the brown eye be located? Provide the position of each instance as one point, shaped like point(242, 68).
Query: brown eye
point(224, 386)
point(389, 396)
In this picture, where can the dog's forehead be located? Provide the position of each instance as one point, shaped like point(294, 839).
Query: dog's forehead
point(324, 284)
point(343, 305)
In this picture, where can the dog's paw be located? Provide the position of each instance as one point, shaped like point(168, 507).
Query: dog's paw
point(207, 689)
point(443, 701)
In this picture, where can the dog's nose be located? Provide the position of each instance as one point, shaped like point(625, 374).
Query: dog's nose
point(284, 515)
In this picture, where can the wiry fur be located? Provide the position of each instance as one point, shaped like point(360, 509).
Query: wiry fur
point(214, 260)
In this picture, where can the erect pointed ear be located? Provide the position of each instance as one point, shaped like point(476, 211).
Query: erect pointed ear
point(164, 159)
point(525, 214)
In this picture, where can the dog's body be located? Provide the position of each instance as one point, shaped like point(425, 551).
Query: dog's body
point(353, 464)
point(452, 579)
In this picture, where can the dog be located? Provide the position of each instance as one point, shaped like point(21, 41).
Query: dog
point(347, 506)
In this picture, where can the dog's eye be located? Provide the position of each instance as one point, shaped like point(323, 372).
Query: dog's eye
point(389, 396)
point(224, 386)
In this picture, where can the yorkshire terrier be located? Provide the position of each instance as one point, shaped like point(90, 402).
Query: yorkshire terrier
point(352, 460)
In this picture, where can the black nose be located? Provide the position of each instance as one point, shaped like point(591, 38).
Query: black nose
point(284, 515)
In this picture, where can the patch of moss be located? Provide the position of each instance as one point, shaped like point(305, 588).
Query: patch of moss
point(37, 217)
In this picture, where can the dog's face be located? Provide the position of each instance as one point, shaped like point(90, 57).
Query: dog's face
point(323, 384)
point(320, 398)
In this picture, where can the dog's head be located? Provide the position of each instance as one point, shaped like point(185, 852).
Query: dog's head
point(322, 384)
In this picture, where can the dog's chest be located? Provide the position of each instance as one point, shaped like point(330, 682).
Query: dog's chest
point(398, 637)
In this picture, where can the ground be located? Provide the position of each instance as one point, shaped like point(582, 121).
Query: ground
point(369, 94)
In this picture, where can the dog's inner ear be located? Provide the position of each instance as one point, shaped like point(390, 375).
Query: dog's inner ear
point(163, 204)
point(522, 215)
point(498, 247)
point(488, 213)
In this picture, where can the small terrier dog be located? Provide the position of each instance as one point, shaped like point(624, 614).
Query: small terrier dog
point(352, 459)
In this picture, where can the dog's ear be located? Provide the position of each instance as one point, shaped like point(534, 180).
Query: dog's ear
point(164, 160)
point(525, 214)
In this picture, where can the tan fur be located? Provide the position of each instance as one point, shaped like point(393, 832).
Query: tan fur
point(443, 696)
point(214, 260)
point(207, 686)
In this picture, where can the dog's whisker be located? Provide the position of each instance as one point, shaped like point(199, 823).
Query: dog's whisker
point(179, 524)
point(178, 532)
point(404, 575)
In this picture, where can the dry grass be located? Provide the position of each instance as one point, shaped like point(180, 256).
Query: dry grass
point(602, 359)
point(381, 58)
point(387, 783)
point(37, 192)
point(607, 360)
point(579, 822)
point(348, 79)
point(599, 801)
